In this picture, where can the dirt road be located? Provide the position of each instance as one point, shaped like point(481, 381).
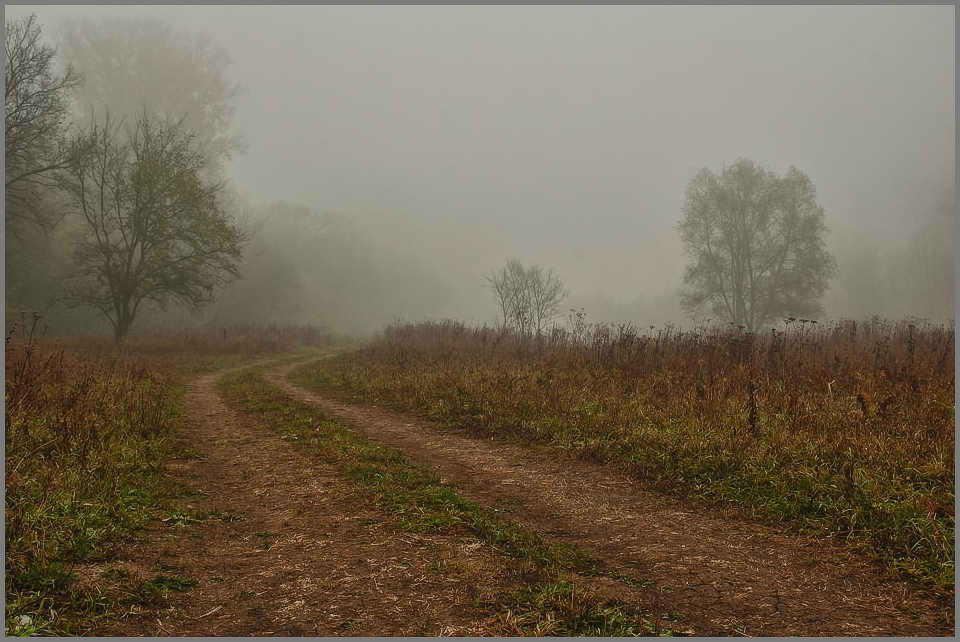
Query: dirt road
point(721, 574)
point(286, 548)
point(281, 544)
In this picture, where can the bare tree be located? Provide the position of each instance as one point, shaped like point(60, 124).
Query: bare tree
point(499, 285)
point(756, 243)
point(155, 229)
point(529, 298)
point(546, 294)
point(36, 106)
point(509, 287)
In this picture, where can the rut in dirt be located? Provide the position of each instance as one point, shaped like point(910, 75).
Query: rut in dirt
point(300, 553)
point(721, 574)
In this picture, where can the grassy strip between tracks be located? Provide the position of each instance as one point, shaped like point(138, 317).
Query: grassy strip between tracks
point(420, 502)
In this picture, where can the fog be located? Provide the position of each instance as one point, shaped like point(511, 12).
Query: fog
point(455, 138)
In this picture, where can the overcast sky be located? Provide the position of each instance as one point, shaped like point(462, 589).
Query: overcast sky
point(566, 135)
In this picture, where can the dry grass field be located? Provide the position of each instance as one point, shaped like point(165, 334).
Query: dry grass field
point(844, 429)
point(446, 480)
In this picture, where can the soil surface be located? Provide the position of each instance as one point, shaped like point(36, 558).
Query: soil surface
point(283, 545)
point(291, 550)
point(722, 575)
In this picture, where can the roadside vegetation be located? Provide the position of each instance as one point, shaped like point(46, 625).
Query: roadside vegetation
point(553, 603)
point(843, 429)
point(89, 428)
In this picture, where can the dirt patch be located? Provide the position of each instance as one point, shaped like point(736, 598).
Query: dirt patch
point(722, 575)
point(278, 544)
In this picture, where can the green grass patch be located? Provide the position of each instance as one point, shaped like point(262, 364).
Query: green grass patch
point(564, 609)
point(182, 517)
point(154, 590)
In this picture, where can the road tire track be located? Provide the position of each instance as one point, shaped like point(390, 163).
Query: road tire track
point(309, 556)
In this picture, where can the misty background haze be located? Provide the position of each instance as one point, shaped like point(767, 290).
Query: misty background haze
point(432, 144)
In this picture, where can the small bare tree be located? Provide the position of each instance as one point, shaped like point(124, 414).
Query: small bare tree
point(529, 298)
point(546, 292)
point(155, 229)
point(36, 106)
point(507, 285)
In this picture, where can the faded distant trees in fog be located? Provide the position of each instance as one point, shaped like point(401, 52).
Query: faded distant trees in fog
point(36, 107)
point(146, 218)
point(529, 298)
point(129, 64)
point(163, 231)
point(275, 283)
point(928, 263)
point(912, 276)
point(302, 266)
point(153, 228)
point(754, 239)
point(756, 245)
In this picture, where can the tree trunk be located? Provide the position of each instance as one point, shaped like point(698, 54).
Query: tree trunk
point(121, 328)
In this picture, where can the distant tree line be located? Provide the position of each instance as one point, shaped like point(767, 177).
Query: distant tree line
point(756, 244)
point(117, 204)
point(141, 190)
